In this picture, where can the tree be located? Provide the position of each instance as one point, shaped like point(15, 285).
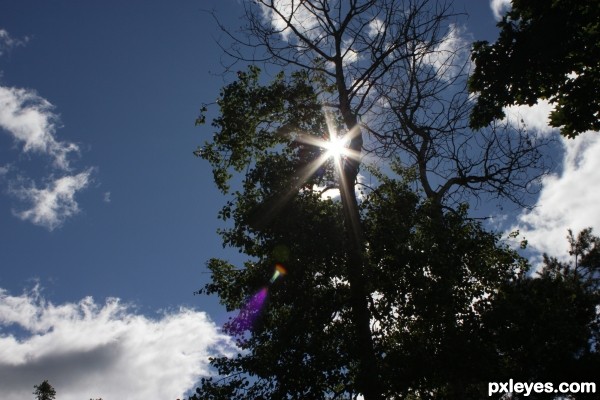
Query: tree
point(378, 74)
point(270, 213)
point(44, 391)
point(546, 50)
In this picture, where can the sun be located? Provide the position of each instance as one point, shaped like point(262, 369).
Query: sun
point(335, 147)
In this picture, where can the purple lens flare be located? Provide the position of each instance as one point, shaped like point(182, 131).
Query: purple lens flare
point(249, 313)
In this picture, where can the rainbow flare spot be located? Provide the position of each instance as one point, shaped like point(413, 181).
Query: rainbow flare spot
point(279, 271)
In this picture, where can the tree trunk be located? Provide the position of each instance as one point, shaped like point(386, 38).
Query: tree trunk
point(369, 379)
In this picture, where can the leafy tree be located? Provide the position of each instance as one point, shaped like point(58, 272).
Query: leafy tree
point(44, 391)
point(375, 73)
point(546, 50)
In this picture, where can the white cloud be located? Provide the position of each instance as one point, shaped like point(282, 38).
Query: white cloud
point(499, 7)
point(106, 197)
point(568, 200)
point(53, 204)
point(29, 119)
point(334, 193)
point(534, 117)
point(349, 54)
point(4, 169)
point(90, 350)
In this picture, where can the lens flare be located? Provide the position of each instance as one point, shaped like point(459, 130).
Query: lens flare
point(247, 316)
point(257, 301)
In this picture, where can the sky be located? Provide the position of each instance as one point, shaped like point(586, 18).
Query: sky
point(106, 217)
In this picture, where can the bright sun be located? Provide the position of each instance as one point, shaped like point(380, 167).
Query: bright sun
point(336, 147)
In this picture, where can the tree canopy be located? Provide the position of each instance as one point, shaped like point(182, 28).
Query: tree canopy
point(545, 50)
point(440, 288)
point(298, 343)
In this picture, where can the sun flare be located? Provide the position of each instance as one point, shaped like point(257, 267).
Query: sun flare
point(336, 147)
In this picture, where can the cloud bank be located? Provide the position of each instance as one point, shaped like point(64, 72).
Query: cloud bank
point(31, 122)
point(91, 350)
point(568, 200)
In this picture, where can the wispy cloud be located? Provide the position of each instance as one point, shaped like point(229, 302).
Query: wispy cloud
point(91, 350)
point(50, 206)
point(534, 118)
point(499, 7)
point(375, 28)
point(7, 42)
point(29, 119)
point(4, 169)
point(31, 122)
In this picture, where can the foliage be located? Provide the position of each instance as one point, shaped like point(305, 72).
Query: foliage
point(300, 346)
point(432, 276)
point(256, 118)
point(546, 50)
point(44, 391)
point(279, 218)
point(547, 328)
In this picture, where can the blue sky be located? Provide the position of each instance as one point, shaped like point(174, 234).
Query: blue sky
point(97, 108)
point(126, 82)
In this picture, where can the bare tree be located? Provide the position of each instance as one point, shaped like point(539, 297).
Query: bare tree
point(398, 69)
point(419, 116)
